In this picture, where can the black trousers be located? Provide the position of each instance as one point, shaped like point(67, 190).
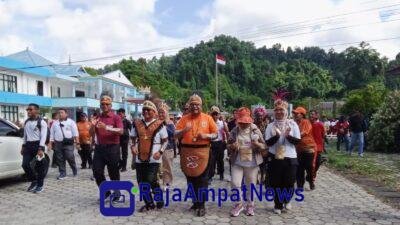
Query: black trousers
point(147, 173)
point(216, 158)
point(30, 152)
point(282, 175)
point(86, 155)
point(64, 153)
point(305, 167)
point(124, 155)
point(264, 172)
point(106, 155)
point(199, 182)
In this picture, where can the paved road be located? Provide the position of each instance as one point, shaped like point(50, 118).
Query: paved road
point(75, 201)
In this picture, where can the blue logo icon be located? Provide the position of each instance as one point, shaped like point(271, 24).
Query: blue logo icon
point(108, 207)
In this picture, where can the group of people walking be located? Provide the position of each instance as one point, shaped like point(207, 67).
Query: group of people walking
point(286, 151)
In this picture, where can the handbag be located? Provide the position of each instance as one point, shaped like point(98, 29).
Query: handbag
point(66, 141)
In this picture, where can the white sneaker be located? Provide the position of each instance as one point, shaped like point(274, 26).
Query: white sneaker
point(277, 211)
point(288, 206)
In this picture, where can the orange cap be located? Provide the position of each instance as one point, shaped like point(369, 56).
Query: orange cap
point(243, 115)
point(300, 110)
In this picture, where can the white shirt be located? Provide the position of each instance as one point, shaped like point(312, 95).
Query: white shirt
point(161, 134)
point(32, 133)
point(68, 127)
point(220, 130)
point(290, 149)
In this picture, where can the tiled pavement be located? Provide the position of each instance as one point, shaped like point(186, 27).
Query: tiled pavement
point(336, 200)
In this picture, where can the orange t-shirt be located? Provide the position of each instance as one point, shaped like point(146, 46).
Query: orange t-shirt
point(202, 124)
point(84, 132)
point(307, 139)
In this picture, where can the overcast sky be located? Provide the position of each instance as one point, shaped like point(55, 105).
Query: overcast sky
point(88, 29)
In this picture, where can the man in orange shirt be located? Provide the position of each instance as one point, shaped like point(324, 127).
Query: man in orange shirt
point(85, 130)
point(196, 130)
point(319, 136)
point(305, 149)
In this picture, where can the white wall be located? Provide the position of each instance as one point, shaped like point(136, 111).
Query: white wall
point(65, 87)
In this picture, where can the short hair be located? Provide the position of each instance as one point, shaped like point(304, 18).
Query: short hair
point(121, 110)
point(34, 105)
point(62, 109)
point(53, 115)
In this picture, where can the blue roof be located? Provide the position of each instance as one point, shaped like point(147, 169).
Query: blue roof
point(31, 58)
point(24, 67)
point(70, 70)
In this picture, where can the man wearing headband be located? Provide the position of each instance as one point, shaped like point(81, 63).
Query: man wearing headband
point(196, 129)
point(108, 129)
point(149, 141)
point(168, 156)
point(218, 146)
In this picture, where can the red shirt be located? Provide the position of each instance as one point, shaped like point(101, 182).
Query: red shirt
point(342, 127)
point(318, 134)
point(105, 137)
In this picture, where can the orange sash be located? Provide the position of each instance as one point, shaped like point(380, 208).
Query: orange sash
point(146, 137)
point(194, 159)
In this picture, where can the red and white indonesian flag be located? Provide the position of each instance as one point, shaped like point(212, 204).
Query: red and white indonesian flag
point(220, 59)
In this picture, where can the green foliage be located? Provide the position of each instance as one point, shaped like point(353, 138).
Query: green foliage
point(251, 74)
point(91, 71)
point(384, 123)
point(367, 100)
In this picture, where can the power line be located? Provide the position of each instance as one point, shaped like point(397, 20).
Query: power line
point(243, 30)
point(176, 47)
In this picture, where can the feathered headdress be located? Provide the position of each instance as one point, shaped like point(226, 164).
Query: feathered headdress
point(279, 97)
point(259, 111)
point(280, 94)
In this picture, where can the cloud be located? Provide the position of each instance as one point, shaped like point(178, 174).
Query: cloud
point(91, 29)
point(270, 22)
point(80, 28)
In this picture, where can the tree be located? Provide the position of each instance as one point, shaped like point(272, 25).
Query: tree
point(384, 125)
point(367, 100)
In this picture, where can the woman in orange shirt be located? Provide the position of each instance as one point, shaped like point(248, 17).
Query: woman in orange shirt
point(305, 149)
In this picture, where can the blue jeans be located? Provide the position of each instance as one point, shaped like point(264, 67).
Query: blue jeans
point(343, 138)
point(360, 137)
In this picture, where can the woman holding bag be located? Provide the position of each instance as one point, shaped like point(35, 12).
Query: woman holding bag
point(245, 145)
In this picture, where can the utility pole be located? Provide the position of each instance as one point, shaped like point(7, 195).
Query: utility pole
point(216, 81)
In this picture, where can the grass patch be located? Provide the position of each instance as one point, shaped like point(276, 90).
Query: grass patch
point(370, 166)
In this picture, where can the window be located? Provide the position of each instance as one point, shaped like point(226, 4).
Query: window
point(39, 85)
point(8, 83)
point(6, 130)
point(10, 113)
point(79, 94)
point(59, 92)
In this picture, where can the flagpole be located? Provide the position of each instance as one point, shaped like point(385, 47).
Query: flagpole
point(216, 81)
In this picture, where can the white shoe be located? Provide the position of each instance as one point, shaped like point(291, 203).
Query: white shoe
point(277, 211)
point(288, 206)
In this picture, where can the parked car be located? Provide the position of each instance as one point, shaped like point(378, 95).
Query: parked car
point(11, 140)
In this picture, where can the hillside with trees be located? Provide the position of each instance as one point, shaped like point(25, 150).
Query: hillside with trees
point(251, 74)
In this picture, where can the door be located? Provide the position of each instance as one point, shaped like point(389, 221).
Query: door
point(10, 147)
